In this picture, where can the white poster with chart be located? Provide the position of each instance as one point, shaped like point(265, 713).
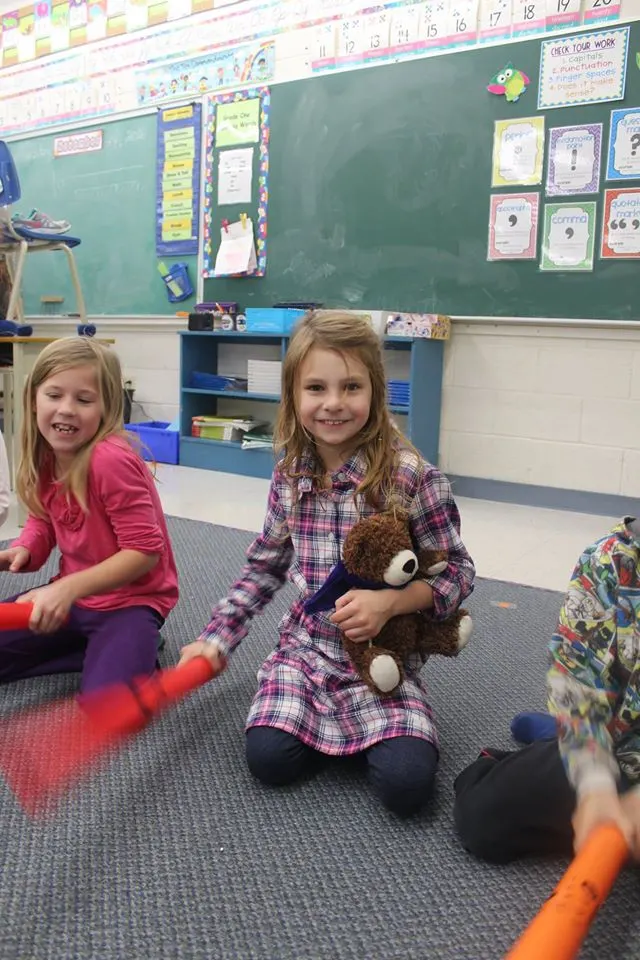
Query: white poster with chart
point(583, 68)
point(624, 145)
point(235, 174)
point(568, 236)
point(513, 226)
point(518, 150)
point(574, 159)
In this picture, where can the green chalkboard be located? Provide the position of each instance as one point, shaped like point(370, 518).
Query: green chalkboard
point(109, 197)
point(379, 190)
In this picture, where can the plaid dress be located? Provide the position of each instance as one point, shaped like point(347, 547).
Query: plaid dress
point(308, 686)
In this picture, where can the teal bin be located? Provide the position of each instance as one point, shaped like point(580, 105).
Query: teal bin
point(271, 319)
point(159, 439)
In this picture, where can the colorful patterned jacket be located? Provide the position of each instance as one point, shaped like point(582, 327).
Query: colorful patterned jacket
point(594, 678)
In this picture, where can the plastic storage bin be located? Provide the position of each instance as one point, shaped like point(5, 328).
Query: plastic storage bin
point(160, 440)
point(271, 319)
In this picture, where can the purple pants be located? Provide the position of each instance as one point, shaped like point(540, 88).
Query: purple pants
point(107, 646)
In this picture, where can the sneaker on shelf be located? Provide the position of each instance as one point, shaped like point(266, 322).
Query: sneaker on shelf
point(37, 220)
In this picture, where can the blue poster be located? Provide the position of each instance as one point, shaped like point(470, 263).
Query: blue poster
point(178, 180)
point(624, 145)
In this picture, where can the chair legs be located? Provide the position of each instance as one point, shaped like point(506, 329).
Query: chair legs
point(71, 260)
point(15, 266)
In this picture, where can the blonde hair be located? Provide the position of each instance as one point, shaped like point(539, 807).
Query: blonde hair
point(65, 354)
point(379, 440)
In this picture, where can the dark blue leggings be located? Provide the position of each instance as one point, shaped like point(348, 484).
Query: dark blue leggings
point(401, 770)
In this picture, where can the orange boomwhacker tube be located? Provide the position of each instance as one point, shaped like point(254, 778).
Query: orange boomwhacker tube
point(563, 922)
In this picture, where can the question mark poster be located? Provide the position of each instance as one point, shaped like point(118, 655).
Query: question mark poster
point(624, 145)
point(513, 226)
point(621, 224)
point(574, 159)
point(568, 239)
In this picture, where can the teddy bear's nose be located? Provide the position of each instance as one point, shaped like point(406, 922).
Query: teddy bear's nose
point(409, 566)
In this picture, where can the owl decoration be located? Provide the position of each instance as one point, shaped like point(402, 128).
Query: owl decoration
point(509, 81)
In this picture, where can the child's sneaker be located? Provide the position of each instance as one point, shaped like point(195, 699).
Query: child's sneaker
point(41, 222)
point(532, 726)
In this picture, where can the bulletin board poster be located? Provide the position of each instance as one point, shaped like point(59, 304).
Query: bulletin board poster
point(621, 224)
point(583, 68)
point(518, 152)
point(624, 145)
point(568, 236)
point(513, 226)
point(239, 121)
point(178, 180)
point(574, 159)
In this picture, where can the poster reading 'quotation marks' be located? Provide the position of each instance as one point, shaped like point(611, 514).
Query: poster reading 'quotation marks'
point(621, 224)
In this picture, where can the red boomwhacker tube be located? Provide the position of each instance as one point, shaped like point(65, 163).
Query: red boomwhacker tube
point(44, 751)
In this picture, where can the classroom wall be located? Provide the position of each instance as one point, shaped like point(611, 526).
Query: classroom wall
point(552, 407)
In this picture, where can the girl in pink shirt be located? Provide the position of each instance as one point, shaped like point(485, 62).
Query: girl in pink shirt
point(91, 495)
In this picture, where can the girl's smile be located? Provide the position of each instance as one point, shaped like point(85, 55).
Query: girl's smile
point(69, 411)
point(334, 402)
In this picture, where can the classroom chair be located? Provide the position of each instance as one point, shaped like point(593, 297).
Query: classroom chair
point(17, 242)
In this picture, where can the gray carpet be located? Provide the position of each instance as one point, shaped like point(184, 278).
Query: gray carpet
point(172, 851)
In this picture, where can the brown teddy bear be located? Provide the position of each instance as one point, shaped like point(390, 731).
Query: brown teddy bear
point(378, 554)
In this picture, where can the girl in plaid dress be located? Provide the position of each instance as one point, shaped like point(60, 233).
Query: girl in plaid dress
point(341, 458)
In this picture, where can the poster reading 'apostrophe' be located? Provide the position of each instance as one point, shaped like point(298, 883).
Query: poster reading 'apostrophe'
point(513, 226)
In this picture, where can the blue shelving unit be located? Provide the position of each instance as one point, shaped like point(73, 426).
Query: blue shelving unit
point(199, 351)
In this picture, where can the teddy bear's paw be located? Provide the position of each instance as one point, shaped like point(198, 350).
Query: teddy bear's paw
point(465, 629)
point(437, 568)
point(384, 672)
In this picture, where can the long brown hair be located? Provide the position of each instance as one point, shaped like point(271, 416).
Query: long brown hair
point(64, 354)
point(346, 333)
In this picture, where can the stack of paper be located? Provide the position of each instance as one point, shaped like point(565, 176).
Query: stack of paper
point(259, 438)
point(265, 376)
point(237, 252)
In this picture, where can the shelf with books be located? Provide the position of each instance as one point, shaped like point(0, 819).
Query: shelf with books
point(200, 351)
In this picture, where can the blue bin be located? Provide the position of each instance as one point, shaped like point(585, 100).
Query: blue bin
point(271, 319)
point(159, 439)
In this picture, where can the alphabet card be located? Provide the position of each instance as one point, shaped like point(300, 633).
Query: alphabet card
point(624, 145)
point(621, 224)
point(568, 237)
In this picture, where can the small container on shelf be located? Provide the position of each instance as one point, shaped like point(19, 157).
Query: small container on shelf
point(213, 381)
point(160, 440)
point(272, 319)
point(215, 306)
